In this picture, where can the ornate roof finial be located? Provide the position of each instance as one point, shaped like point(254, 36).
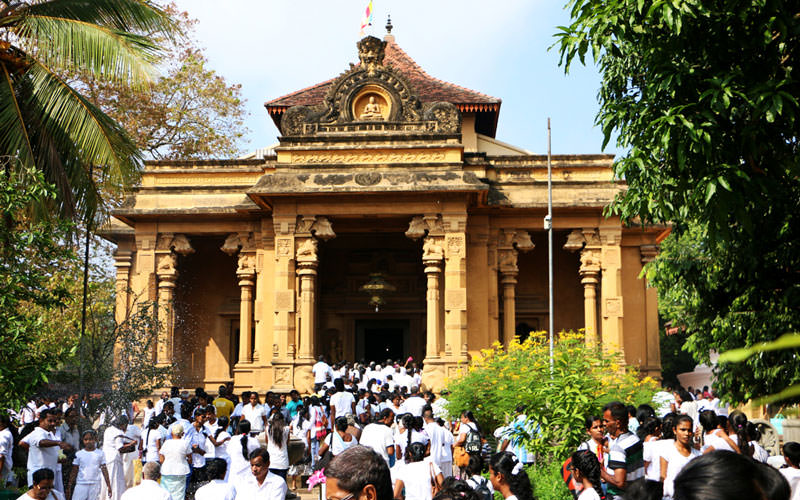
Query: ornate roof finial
point(389, 37)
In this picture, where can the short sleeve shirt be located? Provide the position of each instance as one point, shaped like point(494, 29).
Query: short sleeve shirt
point(89, 463)
point(223, 406)
point(626, 452)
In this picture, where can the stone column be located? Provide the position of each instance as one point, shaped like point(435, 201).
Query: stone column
point(246, 273)
point(590, 278)
point(122, 262)
point(653, 362)
point(242, 243)
point(611, 287)
point(455, 290)
point(168, 247)
point(512, 241)
point(432, 255)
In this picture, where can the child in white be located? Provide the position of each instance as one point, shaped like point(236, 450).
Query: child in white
point(791, 454)
point(87, 468)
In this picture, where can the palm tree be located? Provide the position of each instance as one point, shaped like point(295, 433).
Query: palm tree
point(45, 122)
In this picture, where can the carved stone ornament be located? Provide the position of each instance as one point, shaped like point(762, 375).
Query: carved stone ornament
point(307, 251)
point(167, 264)
point(246, 264)
point(432, 250)
point(507, 260)
point(522, 241)
point(323, 229)
point(402, 104)
point(590, 261)
point(181, 245)
point(232, 244)
point(575, 241)
point(416, 228)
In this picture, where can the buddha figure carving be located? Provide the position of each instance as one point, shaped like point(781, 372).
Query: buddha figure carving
point(372, 110)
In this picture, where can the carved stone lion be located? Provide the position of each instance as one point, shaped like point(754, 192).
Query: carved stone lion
point(431, 250)
point(307, 250)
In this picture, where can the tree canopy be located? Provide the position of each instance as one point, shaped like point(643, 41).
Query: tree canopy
point(704, 98)
point(45, 121)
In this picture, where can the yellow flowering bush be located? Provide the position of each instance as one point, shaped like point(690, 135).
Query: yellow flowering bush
point(584, 378)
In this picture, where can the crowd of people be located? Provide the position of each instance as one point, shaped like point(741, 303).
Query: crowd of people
point(369, 431)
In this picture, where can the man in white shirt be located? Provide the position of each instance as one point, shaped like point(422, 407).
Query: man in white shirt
point(378, 436)
point(28, 414)
point(342, 402)
point(43, 447)
point(414, 403)
point(115, 444)
point(134, 433)
point(217, 488)
point(159, 406)
point(441, 452)
point(262, 485)
point(321, 371)
point(149, 489)
point(255, 413)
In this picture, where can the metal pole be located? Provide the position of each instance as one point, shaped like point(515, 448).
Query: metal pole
point(548, 225)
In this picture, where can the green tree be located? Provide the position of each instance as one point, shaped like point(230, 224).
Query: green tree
point(190, 112)
point(46, 122)
point(30, 251)
point(703, 97)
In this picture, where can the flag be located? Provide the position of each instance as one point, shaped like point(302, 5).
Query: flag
point(367, 21)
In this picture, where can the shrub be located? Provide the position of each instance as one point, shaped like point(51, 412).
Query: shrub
point(584, 378)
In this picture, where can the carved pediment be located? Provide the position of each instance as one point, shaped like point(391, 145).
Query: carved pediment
point(375, 97)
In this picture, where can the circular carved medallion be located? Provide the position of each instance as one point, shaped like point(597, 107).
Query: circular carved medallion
point(367, 178)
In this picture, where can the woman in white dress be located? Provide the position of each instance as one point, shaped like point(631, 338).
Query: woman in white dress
point(714, 438)
point(681, 453)
point(301, 429)
point(239, 448)
point(411, 432)
point(219, 440)
point(278, 445)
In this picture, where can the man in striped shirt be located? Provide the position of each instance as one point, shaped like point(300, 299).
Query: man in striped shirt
point(625, 462)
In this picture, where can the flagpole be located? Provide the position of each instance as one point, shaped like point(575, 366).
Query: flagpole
point(548, 225)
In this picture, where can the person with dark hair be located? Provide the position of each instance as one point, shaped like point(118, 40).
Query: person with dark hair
point(43, 447)
point(410, 431)
point(458, 489)
point(681, 453)
point(644, 411)
point(441, 451)
point(469, 438)
point(476, 481)
point(217, 488)
point(737, 422)
point(255, 413)
point(342, 403)
point(239, 449)
point(649, 433)
point(378, 436)
point(508, 477)
point(417, 478)
point(633, 423)
point(586, 471)
point(261, 484)
point(278, 445)
point(88, 468)
point(714, 438)
point(645, 490)
point(791, 455)
point(358, 473)
point(724, 475)
point(597, 441)
point(41, 487)
point(338, 440)
point(625, 451)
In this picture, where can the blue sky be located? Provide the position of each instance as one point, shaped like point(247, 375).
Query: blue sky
point(273, 47)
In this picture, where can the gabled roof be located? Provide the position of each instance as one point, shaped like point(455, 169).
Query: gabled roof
point(428, 88)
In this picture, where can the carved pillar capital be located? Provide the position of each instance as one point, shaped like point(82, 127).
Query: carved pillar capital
point(422, 225)
point(575, 241)
point(166, 266)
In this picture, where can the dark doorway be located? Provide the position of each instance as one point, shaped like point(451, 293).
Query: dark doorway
point(377, 340)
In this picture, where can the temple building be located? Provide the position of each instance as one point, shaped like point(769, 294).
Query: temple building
point(390, 222)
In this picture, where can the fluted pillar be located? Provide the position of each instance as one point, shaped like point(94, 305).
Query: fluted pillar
point(307, 271)
point(122, 262)
point(590, 277)
point(611, 288)
point(432, 254)
point(167, 276)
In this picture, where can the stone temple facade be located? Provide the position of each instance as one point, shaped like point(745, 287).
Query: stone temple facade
point(390, 223)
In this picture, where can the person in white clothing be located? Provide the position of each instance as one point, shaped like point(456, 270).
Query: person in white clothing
point(217, 488)
point(115, 443)
point(378, 436)
point(239, 449)
point(508, 477)
point(149, 489)
point(6, 449)
point(175, 456)
point(414, 403)
point(88, 468)
point(342, 402)
point(418, 476)
point(681, 453)
point(791, 455)
point(586, 471)
point(42, 487)
point(255, 413)
point(262, 484)
point(440, 451)
point(277, 435)
point(134, 433)
point(322, 371)
point(43, 447)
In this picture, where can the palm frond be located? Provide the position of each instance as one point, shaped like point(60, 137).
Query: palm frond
point(14, 140)
point(105, 52)
point(75, 123)
point(134, 16)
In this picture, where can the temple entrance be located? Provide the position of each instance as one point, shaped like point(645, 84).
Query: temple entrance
point(378, 340)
